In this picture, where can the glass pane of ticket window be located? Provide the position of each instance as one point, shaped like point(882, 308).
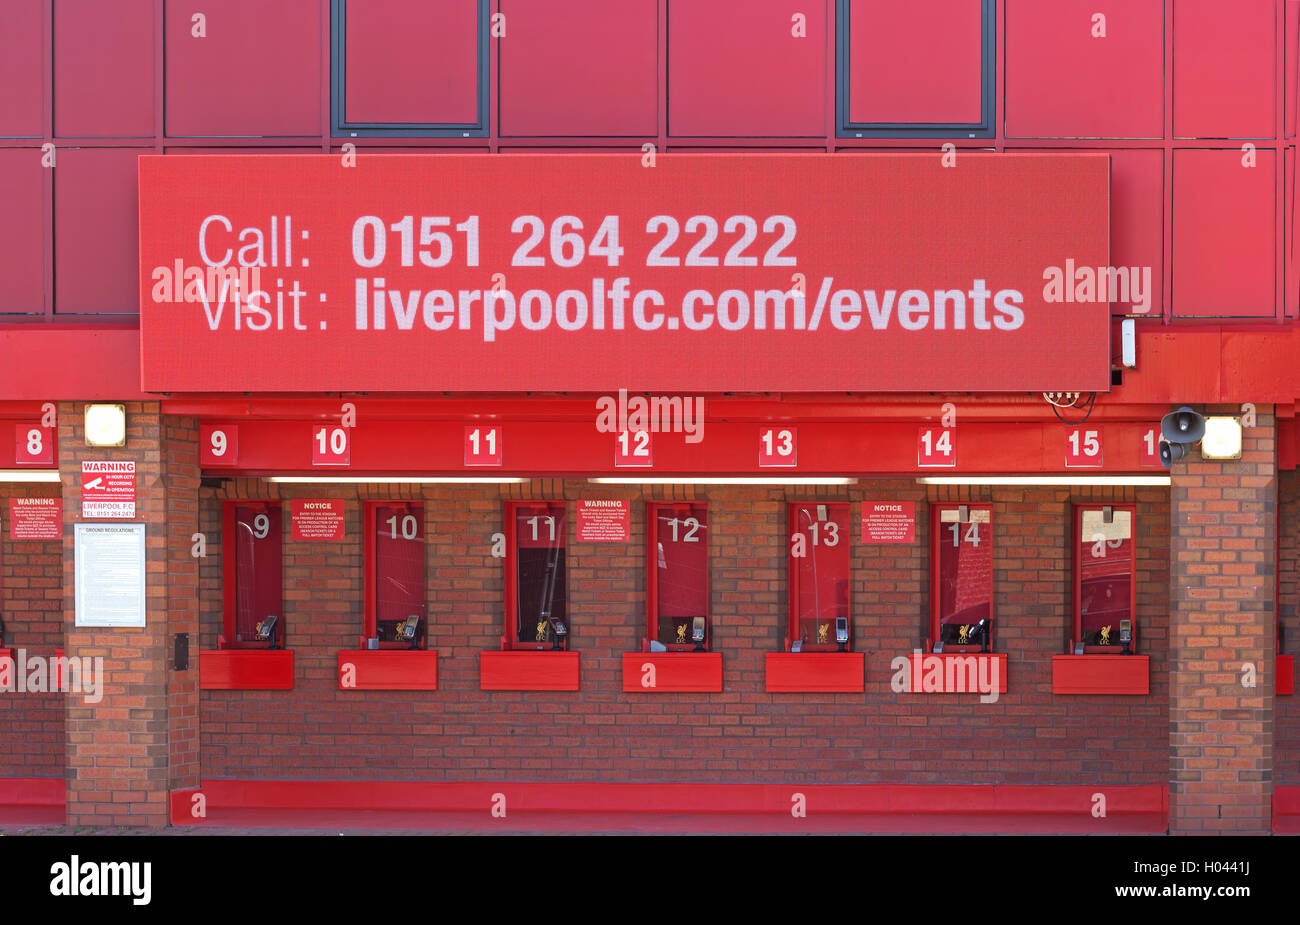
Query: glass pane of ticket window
point(819, 578)
point(962, 579)
point(253, 574)
point(397, 574)
point(679, 576)
point(540, 619)
point(1105, 576)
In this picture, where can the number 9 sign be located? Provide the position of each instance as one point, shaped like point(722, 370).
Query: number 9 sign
point(218, 445)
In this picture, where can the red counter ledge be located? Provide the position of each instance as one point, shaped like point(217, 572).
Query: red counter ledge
point(246, 669)
point(1285, 674)
point(666, 672)
point(523, 670)
point(955, 672)
point(815, 672)
point(1101, 674)
point(388, 670)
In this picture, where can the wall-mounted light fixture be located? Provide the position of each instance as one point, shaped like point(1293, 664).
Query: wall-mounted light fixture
point(1222, 438)
point(106, 425)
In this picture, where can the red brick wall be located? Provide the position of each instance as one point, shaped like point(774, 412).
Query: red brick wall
point(31, 604)
point(459, 732)
point(1223, 539)
point(1286, 728)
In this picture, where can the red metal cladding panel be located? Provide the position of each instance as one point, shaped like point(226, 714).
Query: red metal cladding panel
point(1224, 77)
point(1137, 228)
point(821, 672)
point(1223, 234)
point(1290, 254)
point(528, 671)
point(1285, 674)
point(738, 68)
point(919, 61)
point(1292, 46)
point(256, 70)
point(235, 670)
point(1071, 74)
point(1101, 674)
point(103, 68)
point(22, 244)
point(415, 61)
point(580, 67)
point(22, 63)
point(96, 249)
point(393, 670)
point(667, 672)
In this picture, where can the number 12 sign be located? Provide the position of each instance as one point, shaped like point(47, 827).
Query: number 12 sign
point(633, 448)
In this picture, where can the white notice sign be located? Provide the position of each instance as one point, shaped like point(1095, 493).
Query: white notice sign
point(110, 575)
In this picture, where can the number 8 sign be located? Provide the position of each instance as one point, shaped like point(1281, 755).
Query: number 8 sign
point(33, 445)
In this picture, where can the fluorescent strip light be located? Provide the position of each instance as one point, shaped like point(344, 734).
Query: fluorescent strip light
point(29, 475)
point(387, 480)
point(691, 480)
point(1152, 480)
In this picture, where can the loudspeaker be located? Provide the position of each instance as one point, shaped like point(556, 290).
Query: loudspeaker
point(1169, 452)
point(1182, 426)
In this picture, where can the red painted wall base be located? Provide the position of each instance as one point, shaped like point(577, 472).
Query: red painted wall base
point(586, 805)
point(32, 801)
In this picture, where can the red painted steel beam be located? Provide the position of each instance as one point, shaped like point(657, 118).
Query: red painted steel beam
point(537, 448)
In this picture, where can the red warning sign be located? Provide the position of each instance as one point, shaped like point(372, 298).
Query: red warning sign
point(108, 489)
point(35, 518)
point(317, 521)
point(604, 521)
point(888, 521)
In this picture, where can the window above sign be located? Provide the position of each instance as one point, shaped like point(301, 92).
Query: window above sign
point(409, 68)
point(921, 69)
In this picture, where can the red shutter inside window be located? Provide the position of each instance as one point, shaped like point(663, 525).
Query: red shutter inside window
point(96, 241)
point(103, 68)
point(22, 241)
point(919, 61)
point(414, 61)
point(256, 70)
point(22, 60)
point(580, 67)
point(1083, 69)
point(1224, 78)
point(1224, 238)
point(737, 68)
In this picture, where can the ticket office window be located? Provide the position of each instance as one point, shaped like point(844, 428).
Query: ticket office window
point(819, 578)
point(961, 564)
point(678, 598)
point(537, 601)
point(396, 608)
point(254, 578)
point(1105, 580)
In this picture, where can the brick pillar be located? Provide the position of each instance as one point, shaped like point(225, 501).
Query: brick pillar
point(125, 752)
point(1223, 522)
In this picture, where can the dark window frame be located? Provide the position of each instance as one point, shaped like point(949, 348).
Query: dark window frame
point(1076, 540)
point(230, 575)
point(511, 633)
point(341, 128)
point(370, 616)
point(985, 128)
point(652, 573)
